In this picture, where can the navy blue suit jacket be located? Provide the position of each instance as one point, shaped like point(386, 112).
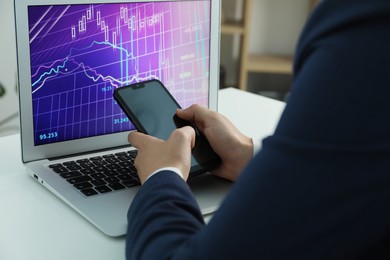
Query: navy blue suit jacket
point(320, 186)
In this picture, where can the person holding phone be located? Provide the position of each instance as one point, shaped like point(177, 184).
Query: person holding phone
point(235, 148)
point(319, 188)
point(157, 118)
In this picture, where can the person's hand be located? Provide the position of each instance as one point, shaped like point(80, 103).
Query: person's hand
point(154, 153)
point(234, 148)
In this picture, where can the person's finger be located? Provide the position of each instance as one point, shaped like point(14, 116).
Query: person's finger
point(138, 139)
point(134, 138)
point(194, 113)
point(184, 134)
point(191, 112)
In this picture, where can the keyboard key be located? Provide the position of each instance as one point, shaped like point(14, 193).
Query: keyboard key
point(87, 171)
point(116, 186)
point(57, 165)
point(133, 153)
point(125, 158)
point(69, 163)
point(87, 165)
point(68, 175)
point(125, 163)
point(112, 160)
point(89, 192)
point(99, 163)
point(60, 169)
point(96, 158)
point(124, 177)
point(97, 176)
point(123, 171)
point(130, 183)
point(80, 179)
point(98, 182)
point(111, 179)
point(113, 166)
point(109, 156)
point(73, 167)
point(102, 189)
point(99, 169)
point(110, 173)
point(132, 169)
point(82, 185)
point(135, 177)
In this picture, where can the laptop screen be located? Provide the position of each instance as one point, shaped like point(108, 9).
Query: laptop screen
point(80, 53)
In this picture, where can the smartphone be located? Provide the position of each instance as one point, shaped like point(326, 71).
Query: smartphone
point(152, 110)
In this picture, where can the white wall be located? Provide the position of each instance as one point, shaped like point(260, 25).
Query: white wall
point(8, 103)
point(276, 25)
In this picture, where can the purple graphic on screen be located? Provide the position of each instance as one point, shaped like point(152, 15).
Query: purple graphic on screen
point(81, 53)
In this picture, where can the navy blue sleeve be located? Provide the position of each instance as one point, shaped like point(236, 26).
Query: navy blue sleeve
point(320, 186)
point(162, 217)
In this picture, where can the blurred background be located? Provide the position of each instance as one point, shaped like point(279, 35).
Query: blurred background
point(258, 42)
point(8, 96)
point(257, 45)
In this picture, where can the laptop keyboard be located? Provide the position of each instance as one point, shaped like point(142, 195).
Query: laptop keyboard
point(100, 174)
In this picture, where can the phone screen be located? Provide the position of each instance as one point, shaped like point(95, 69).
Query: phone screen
point(152, 110)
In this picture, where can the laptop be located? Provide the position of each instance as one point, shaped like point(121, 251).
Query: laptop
point(72, 55)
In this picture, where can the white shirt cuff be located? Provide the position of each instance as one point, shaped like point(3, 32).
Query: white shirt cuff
point(172, 169)
point(256, 146)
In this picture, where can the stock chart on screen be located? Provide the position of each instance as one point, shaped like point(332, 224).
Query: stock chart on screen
point(80, 53)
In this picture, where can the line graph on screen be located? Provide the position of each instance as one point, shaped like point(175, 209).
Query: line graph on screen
point(81, 53)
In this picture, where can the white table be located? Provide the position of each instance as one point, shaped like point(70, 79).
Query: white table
point(35, 224)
